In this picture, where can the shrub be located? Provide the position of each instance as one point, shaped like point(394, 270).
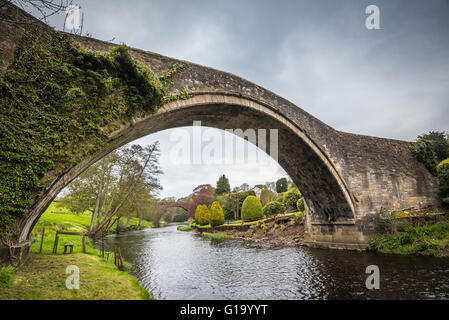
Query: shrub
point(273, 208)
point(443, 176)
point(251, 208)
point(6, 276)
point(197, 214)
point(202, 215)
point(300, 204)
point(231, 203)
point(216, 216)
point(291, 198)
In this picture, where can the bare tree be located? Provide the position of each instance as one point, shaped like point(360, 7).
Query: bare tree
point(44, 8)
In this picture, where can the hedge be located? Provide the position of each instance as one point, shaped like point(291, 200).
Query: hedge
point(252, 208)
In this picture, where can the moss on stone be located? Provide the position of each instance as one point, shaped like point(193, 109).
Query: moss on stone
point(59, 103)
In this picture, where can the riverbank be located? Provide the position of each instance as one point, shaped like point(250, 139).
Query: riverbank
point(43, 277)
point(286, 230)
point(59, 219)
point(428, 235)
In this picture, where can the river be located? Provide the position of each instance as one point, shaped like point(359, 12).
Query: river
point(182, 265)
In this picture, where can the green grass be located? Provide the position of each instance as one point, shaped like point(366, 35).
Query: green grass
point(67, 222)
point(6, 276)
point(43, 278)
point(216, 236)
point(184, 228)
point(426, 236)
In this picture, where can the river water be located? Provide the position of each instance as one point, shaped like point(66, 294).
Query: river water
point(182, 265)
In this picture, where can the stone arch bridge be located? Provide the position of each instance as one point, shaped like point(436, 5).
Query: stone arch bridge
point(346, 179)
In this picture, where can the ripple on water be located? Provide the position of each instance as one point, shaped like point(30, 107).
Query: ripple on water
point(182, 265)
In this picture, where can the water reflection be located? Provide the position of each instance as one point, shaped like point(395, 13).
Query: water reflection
point(182, 265)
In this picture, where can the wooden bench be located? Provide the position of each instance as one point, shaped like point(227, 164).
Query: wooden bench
point(55, 245)
point(68, 245)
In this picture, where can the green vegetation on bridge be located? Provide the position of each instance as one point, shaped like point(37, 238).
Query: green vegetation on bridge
point(59, 104)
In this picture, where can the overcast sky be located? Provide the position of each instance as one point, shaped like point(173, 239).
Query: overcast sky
point(392, 82)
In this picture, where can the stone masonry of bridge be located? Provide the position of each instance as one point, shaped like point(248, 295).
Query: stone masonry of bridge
point(346, 179)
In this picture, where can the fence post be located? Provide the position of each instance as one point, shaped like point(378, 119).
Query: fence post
point(42, 239)
point(84, 243)
point(55, 246)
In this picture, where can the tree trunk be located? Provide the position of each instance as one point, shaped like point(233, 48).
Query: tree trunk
point(127, 221)
point(97, 201)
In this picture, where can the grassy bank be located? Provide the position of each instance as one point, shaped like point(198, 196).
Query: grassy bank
point(216, 236)
point(424, 236)
point(57, 218)
point(43, 277)
point(254, 222)
point(184, 228)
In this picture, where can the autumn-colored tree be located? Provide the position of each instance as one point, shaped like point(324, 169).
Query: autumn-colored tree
point(203, 194)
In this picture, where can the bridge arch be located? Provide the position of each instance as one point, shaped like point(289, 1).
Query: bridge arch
point(327, 196)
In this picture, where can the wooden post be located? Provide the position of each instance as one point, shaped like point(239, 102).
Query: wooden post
point(55, 246)
point(42, 239)
point(84, 243)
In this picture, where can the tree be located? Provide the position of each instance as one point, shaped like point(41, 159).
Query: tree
point(44, 8)
point(216, 217)
point(203, 194)
point(267, 196)
point(443, 176)
point(232, 203)
point(271, 186)
point(440, 144)
point(222, 186)
point(281, 185)
point(300, 204)
point(291, 198)
point(430, 149)
point(251, 208)
point(244, 187)
point(273, 208)
point(202, 215)
point(138, 166)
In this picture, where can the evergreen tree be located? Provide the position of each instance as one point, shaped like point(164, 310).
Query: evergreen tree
point(223, 186)
point(216, 216)
point(252, 208)
point(281, 185)
point(202, 215)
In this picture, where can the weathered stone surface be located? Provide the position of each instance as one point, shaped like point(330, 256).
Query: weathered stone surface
point(345, 178)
